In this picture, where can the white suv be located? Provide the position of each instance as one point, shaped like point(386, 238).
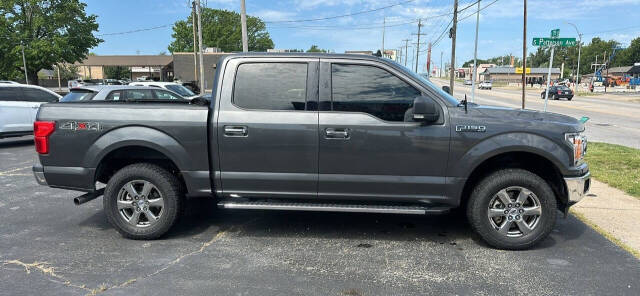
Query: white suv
point(19, 104)
point(172, 86)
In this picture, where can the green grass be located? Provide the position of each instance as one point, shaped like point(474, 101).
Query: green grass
point(616, 165)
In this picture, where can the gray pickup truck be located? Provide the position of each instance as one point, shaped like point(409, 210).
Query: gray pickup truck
point(317, 132)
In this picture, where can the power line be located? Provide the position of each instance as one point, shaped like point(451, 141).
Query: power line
point(340, 16)
point(135, 31)
point(481, 9)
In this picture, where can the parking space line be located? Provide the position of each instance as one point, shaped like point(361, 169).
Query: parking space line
point(9, 173)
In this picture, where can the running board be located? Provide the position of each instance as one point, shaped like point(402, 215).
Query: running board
point(320, 207)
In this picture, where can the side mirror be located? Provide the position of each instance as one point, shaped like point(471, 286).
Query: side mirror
point(425, 110)
point(447, 89)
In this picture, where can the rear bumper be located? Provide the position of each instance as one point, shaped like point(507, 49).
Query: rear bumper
point(577, 187)
point(74, 178)
point(38, 172)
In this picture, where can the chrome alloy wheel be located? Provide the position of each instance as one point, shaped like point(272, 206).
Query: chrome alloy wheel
point(514, 211)
point(140, 203)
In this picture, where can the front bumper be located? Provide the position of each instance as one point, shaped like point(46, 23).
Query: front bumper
point(577, 187)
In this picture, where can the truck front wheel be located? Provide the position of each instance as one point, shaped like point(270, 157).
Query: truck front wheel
point(512, 209)
point(143, 201)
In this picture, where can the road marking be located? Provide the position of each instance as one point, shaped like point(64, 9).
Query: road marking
point(9, 172)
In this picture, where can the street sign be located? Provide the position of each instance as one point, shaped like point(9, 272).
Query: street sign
point(519, 70)
point(555, 33)
point(556, 42)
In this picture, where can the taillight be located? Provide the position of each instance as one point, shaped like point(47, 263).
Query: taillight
point(41, 132)
point(559, 92)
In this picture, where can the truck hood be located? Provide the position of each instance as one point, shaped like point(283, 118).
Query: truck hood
point(529, 117)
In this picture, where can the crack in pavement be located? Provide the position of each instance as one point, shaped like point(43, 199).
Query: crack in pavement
point(46, 269)
point(49, 270)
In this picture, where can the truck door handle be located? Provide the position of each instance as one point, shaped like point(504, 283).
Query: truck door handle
point(235, 131)
point(336, 133)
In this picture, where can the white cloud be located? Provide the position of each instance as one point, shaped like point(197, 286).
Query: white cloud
point(269, 15)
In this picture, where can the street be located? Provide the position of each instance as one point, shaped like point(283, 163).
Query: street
point(615, 122)
point(48, 245)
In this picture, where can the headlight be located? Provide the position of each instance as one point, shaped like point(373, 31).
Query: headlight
point(579, 144)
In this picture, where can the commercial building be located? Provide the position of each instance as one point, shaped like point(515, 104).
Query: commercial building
point(158, 66)
point(509, 75)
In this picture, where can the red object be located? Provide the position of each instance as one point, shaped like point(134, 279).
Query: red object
point(41, 131)
point(559, 92)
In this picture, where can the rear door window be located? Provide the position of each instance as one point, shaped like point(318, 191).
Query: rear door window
point(38, 95)
point(165, 95)
point(271, 86)
point(139, 94)
point(11, 94)
point(115, 95)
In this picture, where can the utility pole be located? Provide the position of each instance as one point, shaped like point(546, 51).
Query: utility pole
point(195, 51)
point(24, 62)
point(453, 44)
point(475, 58)
point(243, 20)
point(384, 24)
point(524, 53)
point(202, 78)
point(575, 89)
point(406, 50)
point(418, 44)
point(59, 84)
point(429, 60)
point(440, 72)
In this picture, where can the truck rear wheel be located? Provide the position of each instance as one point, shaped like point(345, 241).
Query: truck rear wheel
point(143, 201)
point(512, 209)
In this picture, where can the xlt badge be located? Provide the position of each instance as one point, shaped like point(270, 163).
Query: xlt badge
point(471, 128)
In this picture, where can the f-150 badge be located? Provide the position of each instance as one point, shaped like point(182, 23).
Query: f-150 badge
point(80, 126)
point(471, 128)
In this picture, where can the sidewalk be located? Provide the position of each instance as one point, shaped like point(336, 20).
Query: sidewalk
point(614, 212)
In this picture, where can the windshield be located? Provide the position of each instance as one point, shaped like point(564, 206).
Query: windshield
point(430, 84)
point(78, 95)
point(181, 90)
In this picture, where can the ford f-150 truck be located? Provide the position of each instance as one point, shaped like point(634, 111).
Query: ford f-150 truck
point(317, 132)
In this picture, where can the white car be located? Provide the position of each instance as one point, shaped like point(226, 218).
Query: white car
point(19, 104)
point(172, 86)
point(485, 85)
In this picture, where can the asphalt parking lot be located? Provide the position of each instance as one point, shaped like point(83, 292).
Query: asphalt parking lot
point(50, 246)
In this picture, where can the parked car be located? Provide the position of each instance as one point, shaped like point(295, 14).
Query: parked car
point(112, 82)
point(118, 93)
point(8, 81)
point(172, 86)
point(341, 144)
point(485, 85)
point(84, 82)
point(191, 85)
point(558, 91)
point(19, 104)
point(468, 82)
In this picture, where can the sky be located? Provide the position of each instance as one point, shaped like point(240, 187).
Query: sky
point(500, 26)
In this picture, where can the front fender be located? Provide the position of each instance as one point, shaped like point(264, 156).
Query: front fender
point(511, 142)
point(137, 136)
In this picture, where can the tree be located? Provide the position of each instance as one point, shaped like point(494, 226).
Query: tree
point(117, 72)
point(67, 71)
point(221, 29)
point(629, 55)
point(315, 48)
point(51, 31)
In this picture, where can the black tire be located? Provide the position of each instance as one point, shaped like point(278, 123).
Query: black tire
point(487, 190)
point(569, 98)
point(166, 186)
point(542, 96)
